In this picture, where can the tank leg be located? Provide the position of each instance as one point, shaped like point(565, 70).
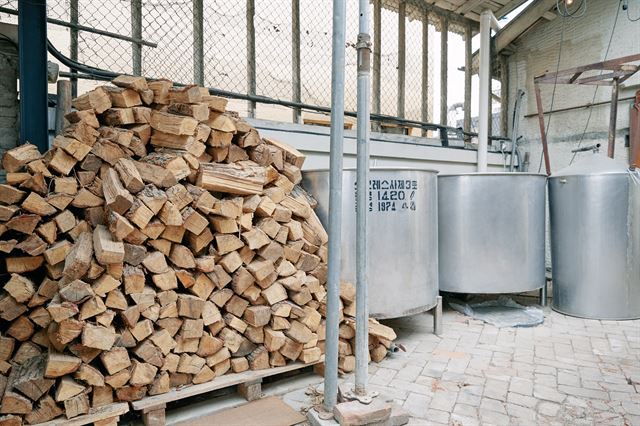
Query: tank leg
point(543, 294)
point(437, 317)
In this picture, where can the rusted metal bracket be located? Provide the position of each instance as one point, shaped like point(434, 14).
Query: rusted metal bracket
point(612, 72)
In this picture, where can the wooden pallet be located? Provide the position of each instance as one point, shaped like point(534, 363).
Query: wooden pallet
point(100, 416)
point(249, 385)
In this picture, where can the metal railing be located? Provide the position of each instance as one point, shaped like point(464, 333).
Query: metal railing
point(271, 52)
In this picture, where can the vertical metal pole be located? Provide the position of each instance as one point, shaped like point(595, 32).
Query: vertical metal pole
point(198, 42)
point(32, 39)
point(444, 60)
point(490, 108)
point(362, 202)
point(251, 55)
point(484, 98)
point(613, 115)
point(73, 43)
point(377, 58)
point(467, 78)
point(63, 105)
point(296, 88)
point(136, 32)
point(335, 203)
point(543, 294)
point(402, 36)
point(543, 133)
point(437, 317)
point(425, 69)
point(504, 96)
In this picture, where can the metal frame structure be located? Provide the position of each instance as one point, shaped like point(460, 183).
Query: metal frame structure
point(406, 9)
point(611, 73)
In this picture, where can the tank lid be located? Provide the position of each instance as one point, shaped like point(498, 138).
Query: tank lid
point(596, 164)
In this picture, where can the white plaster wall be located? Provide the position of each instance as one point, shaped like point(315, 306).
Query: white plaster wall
point(585, 42)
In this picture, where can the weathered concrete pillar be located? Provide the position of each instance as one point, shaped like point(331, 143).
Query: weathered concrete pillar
point(8, 99)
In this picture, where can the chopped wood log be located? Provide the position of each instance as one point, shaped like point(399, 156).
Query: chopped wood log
point(107, 249)
point(46, 410)
point(67, 388)
point(136, 83)
point(242, 179)
point(15, 159)
point(115, 360)
point(117, 198)
point(76, 406)
point(29, 379)
point(78, 261)
point(20, 288)
point(97, 100)
point(14, 403)
point(34, 203)
point(155, 175)
point(129, 175)
point(98, 337)
point(58, 365)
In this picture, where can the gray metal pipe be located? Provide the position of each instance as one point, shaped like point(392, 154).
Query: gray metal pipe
point(335, 203)
point(363, 129)
point(514, 131)
point(487, 22)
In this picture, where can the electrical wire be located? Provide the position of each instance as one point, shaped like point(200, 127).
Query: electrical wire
point(595, 91)
point(555, 84)
point(8, 39)
point(579, 12)
point(629, 16)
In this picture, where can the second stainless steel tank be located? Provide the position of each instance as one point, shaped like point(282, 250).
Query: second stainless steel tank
point(403, 236)
point(491, 232)
point(595, 239)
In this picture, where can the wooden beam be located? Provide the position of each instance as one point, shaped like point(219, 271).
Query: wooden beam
point(468, 6)
point(521, 23)
point(508, 8)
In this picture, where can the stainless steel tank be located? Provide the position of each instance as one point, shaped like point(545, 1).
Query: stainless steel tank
point(595, 239)
point(403, 236)
point(491, 232)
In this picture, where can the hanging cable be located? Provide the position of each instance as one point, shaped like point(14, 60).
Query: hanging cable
point(555, 84)
point(563, 10)
point(595, 91)
point(625, 6)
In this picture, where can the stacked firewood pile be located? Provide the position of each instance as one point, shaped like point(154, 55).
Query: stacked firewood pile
point(161, 242)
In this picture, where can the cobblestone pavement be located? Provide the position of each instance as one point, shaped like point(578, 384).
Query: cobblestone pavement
point(568, 371)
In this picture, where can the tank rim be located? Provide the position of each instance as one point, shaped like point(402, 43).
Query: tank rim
point(492, 174)
point(378, 169)
point(609, 173)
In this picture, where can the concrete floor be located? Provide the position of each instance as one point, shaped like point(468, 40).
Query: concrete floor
point(568, 371)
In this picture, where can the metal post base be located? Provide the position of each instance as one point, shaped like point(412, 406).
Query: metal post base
point(437, 317)
point(347, 392)
point(543, 295)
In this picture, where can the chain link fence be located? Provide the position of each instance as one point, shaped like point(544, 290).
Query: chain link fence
point(158, 38)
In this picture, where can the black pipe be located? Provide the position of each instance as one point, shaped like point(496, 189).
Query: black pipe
point(100, 74)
